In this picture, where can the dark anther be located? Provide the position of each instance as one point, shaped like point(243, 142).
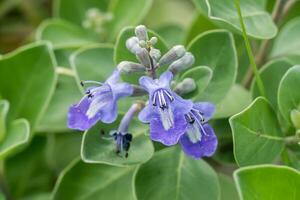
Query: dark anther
point(154, 104)
point(102, 132)
point(90, 95)
point(81, 83)
point(126, 155)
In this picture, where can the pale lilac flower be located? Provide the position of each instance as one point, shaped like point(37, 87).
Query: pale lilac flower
point(165, 111)
point(199, 139)
point(99, 103)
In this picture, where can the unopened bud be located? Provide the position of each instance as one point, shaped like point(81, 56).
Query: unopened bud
point(141, 32)
point(186, 86)
point(182, 63)
point(153, 40)
point(295, 118)
point(155, 53)
point(173, 54)
point(144, 57)
point(132, 44)
point(130, 67)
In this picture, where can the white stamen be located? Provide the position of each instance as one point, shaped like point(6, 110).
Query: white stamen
point(167, 118)
point(194, 133)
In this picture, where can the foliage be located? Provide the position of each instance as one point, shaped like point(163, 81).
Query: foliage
point(44, 57)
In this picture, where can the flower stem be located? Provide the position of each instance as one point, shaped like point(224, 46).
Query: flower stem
point(279, 11)
point(64, 71)
point(249, 51)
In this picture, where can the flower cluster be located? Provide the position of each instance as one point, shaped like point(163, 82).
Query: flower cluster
point(171, 118)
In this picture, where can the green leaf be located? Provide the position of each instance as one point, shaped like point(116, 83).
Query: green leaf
point(216, 49)
point(97, 149)
point(63, 34)
point(202, 76)
point(172, 175)
point(288, 92)
point(18, 134)
point(4, 106)
point(66, 94)
point(56, 144)
point(75, 10)
point(97, 181)
point(287, 42)
point(126, 13)
point(228, 190)
point(258, 22)
point(199, 25)
point(256, 134)
point(173, 34)
point(27, 172)
point(267, 182)
point(271, 74)
point(27, 80)
point(237, 99)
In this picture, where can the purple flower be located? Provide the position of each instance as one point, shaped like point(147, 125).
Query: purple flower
point(165, 111)
point(99, 103)
point(199, 139)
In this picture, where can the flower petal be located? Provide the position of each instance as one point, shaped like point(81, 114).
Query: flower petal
point(109, 113)
point(77, 118)
point(206, 147)
point(208, 109)
point(165, 79)
point(121, 90)
point(148, 83)
point(114, 77)
point(146, 114)
point(181, 105)
point(167, 137)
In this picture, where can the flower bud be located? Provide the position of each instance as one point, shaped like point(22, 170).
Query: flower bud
point(130, 67)
point(295, 118)
point(132, 44)
point(182, 63)
point(186, 86)
point(173, 54)
point(144, 57)
point(155, 53)
point(141, 32)
point(153, 40)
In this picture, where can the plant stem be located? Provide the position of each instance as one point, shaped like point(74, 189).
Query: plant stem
point(292, 140)
point(280, 9)
point(249, 51)
point(64, 71)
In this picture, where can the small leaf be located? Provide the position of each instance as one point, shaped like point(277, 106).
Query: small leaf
point(267, 182)
point(172, 175)
point(271, 74)
point(97, 149)
point(237, 99)
point(202, 76)
point(287, 42)
point(18, 133)
point(258, 22)
point(256, 134)
point(216, 49)
point(97, 181)
point(288, 92)
point(63, 34)
point(27, 81)
point(4, 106)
